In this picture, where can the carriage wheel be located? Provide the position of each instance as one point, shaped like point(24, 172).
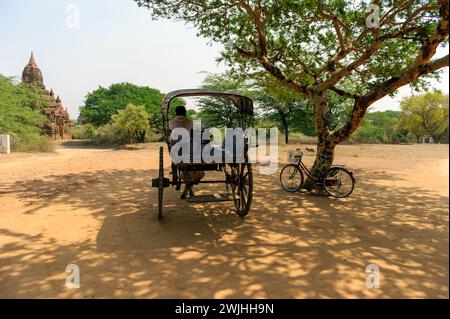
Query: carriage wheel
point(242, 187)
point(161, 182)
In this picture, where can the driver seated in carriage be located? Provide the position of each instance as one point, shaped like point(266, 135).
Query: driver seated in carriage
point(182, 121)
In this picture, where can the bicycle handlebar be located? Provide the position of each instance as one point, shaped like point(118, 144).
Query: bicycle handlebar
point(306, 149)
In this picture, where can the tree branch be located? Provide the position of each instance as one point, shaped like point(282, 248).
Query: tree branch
point(262, 55)
point(420, 66)
point(344, 93)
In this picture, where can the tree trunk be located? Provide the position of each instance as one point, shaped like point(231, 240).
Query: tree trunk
point(323, 161)
point(325, 145)
point(436, 138)
point(285, 125)
point(140, 136)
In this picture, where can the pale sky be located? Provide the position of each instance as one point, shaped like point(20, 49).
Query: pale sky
point(116, 41)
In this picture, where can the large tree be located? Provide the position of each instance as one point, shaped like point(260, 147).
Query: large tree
point(426, 114)
point(102, 103)
point(360, 52)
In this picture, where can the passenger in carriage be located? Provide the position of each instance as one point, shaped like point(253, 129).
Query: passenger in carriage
point(182, 121)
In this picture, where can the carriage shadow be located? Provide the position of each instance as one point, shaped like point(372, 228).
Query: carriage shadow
point(290, 246)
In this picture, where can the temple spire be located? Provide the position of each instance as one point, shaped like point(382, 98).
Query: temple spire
point(32, 60)
point(32, 74)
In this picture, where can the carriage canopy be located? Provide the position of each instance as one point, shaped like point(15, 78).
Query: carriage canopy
point(243, 103)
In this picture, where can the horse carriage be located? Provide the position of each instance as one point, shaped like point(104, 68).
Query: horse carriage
point(237, 175)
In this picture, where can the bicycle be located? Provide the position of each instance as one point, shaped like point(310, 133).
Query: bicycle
point(338, 182)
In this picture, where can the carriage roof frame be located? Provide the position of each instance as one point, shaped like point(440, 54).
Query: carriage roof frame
point(242, 102)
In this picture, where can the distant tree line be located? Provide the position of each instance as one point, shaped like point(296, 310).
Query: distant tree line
point(424, 115)
point(126, 113)
point(122, 113)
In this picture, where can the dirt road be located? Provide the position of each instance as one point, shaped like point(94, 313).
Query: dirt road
point(95, 208)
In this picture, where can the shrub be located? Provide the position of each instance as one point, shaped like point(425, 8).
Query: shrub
point(153, 137)
point(76, 133)
point(84, 132)
point(31, 143)
point(108, 135)
point(133, 120)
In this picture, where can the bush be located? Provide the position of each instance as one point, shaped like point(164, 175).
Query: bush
point(31, 143)
point(108, 135)
point(153, 137)
point(77, 133)
point(84, 132)
point(132, 121)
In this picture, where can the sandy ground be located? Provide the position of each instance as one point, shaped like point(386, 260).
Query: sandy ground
point(95, 208)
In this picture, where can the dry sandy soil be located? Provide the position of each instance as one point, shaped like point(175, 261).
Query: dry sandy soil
point(95, 208)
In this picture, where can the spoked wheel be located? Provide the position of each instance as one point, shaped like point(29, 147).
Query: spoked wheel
point(161, 183)
point(242, 187)
point(339, 182)
point(291, 178)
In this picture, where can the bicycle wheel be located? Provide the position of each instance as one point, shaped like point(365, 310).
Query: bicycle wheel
point(339, 182)
point(291, 178)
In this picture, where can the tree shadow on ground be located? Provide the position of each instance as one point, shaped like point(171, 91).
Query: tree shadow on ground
point(290, 246)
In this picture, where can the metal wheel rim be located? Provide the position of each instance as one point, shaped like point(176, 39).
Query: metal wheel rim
point(340, 184)
point(242, 188)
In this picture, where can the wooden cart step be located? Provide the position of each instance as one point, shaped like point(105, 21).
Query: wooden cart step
point(209, 198)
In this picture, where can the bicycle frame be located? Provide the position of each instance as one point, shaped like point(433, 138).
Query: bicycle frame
point(305, 169)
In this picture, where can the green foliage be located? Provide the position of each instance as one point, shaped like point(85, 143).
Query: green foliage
point(31, 142)
point(314, 46)
point(101, 104)
point(133, 120)
point(421, 115)
point(220, 111)
point(275, 105)
point(379, 127)
point(282, 106)
point(105, 135)
point(109, 134)
point(83, 132)
point(300, 35)
point(19, 119)
point(426, 114)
